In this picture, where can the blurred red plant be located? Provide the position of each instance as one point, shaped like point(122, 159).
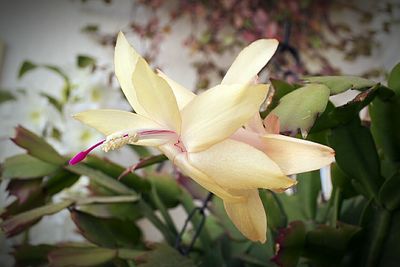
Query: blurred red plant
point(306, 30)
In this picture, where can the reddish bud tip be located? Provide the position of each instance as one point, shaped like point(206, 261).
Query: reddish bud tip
point(78, 158)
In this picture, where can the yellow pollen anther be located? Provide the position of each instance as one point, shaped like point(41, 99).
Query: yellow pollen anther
point(117, 140)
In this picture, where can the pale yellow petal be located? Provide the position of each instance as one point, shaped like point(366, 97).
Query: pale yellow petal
point(183, 96)
point(181, 161)
point(218, 112)
point(295, 155)
point(249, 137)
point(125, 59)
point(108, 121)
point(255, 124)
point(236, 165)
point(155, 96)
point(250, 61)
point(249, 216)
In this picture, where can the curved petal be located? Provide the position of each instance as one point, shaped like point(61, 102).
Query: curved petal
point(248, 137)
point(255, 124)
point(249, 215)
point(125, 59)
point(295, 155)
point(236, 165)
point(155, 96)
point(183, 96)
point(250, 61)
point(181, 161)
point(218, 112)
point(108, 121)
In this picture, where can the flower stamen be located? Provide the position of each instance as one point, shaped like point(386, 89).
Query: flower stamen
point(119, 139)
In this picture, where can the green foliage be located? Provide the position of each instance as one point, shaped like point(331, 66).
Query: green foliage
point(389, 195)
point(110, 233)
point(5, 96)
point(339, 84)
point(37, 147)
point(303, 204)
point(291, 242)
point(28, 66)
point(122, 211)
point(342, 181)
point(29, 194)
point(357, 157)
point(326, 245)
point(280, 89)
point(18, 223)
point(276, 215)
point(385, 125)
point(30, 255)
point(84, 61)
point(25, 68)
point(80, 256)
point(141, 151)
point(58, 181)
point(166, 188)
point(299, 108)
point(106, 199)
point(101, 179)
point(53, 101)
point(25, 167)
point(390, 252)
point(91, 28)
point(308, 191)
point(394, 79)
point(131, 179)
point(366, 172)
point(333, 117)
point(159, 256)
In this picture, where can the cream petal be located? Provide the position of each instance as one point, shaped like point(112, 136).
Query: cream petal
point(108, 121)
point(236, 165)
point(183, 96)
point(155, 96)
point(125, 59)
point(248, 137)
point(250, 61)
point(181, 161)
point(249, 215)
point(255, 124)
point(218, 112)
point(295, 155)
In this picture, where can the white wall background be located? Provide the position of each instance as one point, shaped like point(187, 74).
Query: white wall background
point(49, 31)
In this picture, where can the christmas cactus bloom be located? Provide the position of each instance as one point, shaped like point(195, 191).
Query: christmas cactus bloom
point(292, 155)
point(194, 131)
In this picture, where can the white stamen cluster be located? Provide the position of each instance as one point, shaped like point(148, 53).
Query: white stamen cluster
point(117, 140)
